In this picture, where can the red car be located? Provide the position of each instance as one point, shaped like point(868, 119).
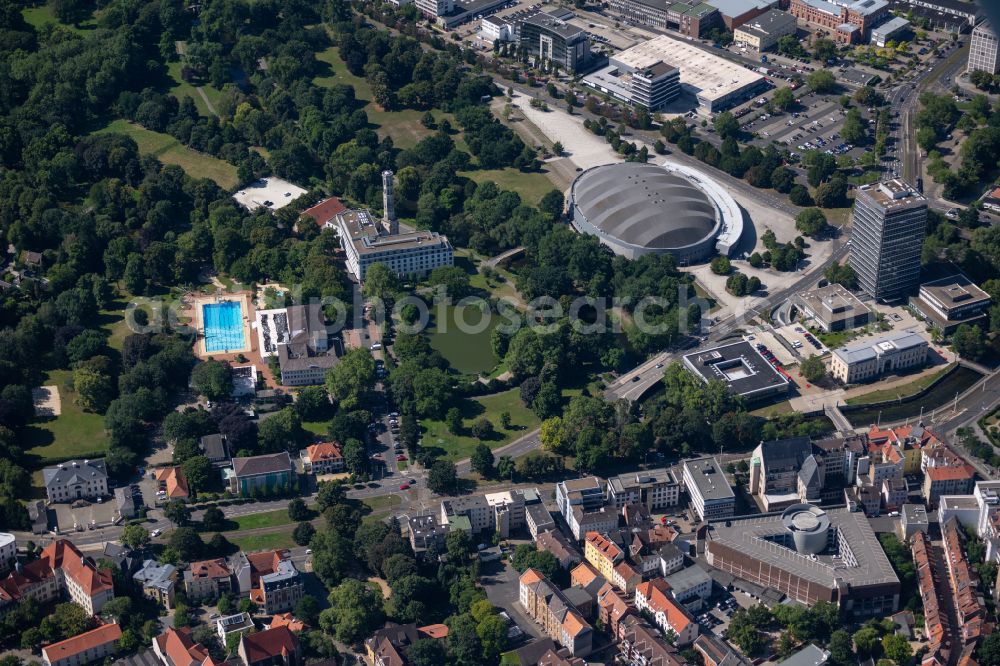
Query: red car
point(400, 458)
point(405, 486)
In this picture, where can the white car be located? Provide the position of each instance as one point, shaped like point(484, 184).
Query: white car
point(156, 533)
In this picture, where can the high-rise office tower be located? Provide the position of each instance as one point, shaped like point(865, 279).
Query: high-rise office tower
point(888, 234)
point(983, 50)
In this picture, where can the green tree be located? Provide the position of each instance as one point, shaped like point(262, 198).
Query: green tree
point(841, 649)
point(482, 428)
point(187, 543)
point(720, 265)
point(380, 282)
point(199, 472)
point(482, 460)
point(135, 536)
point(969, 342)
point(303, 533)
point(453, 420)
point(297, 510)
point(866, 640)
point(443, 477)
point(784, 98)
point(177, 512)
point(813, 368)
point(811, 222)
point(93, 390)
point(355, 611)
point(213, 520)
point(213, 379)
point(726, 125)
point(282, 432)
point(505, 420)
point(822, 81)
point(355, 456)
point(897, 648)
point(824, 49)
point(492, 631)
point(352, 379)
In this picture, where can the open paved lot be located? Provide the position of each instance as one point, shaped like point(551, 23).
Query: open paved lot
point(68, 517)
point(502, 589)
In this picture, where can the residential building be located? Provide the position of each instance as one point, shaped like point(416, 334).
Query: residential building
point(365, 243)
point(38, 513)
point(793, 552)
point(626, 577)
point(125, 504)
point(613, 606)
point(716, 652)
point(547, 38)
point(538, 519)
point(587, 493)
point(270, 578)
point(690, 19)
point(639, 644)
point(298, 335)
point(810, 655)
point(935, 617)
point(894, 492)
point(887, 236)
point(602, 554)
point(287, 620)
point(964, 583)
point(473, 507)
point(8, 551)
point(270, 472)
point(554, 542)
point(690, 583)
point(763, 32)
point(832, 308)
point(508, 509)
point(838, 457)
point(951, 302)
point(90, 646)
point(586, 577)
point(172, 482)
point(76, 576)
point(233, 625)
point(208, 579)
point(215, 447)
point(175, 647)
point(912, 441)
point(846, 21)
point(656, 489)
point(913, 519)
point(157, 582)
point(581, 522)
point(76, 479)
point(956, 479)
point(868, 360)
point(711, 495)
point(322, 458)
point(272, 647)
point(426, 533)
point(654, 597)
point(983, 50)
point(548, 607)
point(387, 646)
point(324, 213)
point(671, 558)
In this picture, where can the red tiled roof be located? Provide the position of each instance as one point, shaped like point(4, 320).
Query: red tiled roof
point(325, 210)
point(62, 554)
point(180, 648)
point(174, 480)
point(287, 620)
point(656, 592)
point(269, 644)
point(210, 569)
point(531, 576)
point(89, 640)
point(950, 473)
point(324, 451)
point(583, 575)
point(434, 630)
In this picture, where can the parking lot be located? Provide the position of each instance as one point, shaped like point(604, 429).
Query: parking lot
point(804, 343)
point(83, 514)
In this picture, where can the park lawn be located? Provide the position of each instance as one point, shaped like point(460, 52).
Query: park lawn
point(266, 519)
point(338, 73)
point(904, 391)
point(272, 540)
point(182, 89)
point(169, 150)
point(459, 447)
point(38, 17)
point(382, 503)
point(531, 185)
point(316, 427)
point(403, 126)
point(72, 434)
point(778, 408)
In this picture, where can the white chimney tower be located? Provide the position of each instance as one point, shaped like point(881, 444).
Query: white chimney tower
point(389, 220)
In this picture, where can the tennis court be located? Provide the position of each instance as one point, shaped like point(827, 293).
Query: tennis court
point(223, 326)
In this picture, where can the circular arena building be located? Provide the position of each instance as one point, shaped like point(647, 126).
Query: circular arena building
point(638, 209)
point(809, 526)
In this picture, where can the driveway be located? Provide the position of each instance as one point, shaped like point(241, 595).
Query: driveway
point(502, 589)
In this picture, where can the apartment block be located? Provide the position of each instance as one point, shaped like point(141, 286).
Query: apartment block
point(639, 644)
point(762, 33)
point(656, 489)
point(711, 495)
point(602, 554)
point(322, 458)
point(654, 597)
point(846, 21)
point(208, 579)
point(548, 607)
point(88, 647)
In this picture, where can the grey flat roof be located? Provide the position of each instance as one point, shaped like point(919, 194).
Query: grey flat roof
point(553, 23)
point(833, 303)
point(710, 478)
point(740, 7)
point(641, 479)
point(539, 514)
point(810, 655)
point(864, 351)
point(895, 23)
point(688, 578)
point(750, 535)
point(891, 194)
point(367, 236)
point(645, 205)
point(739, 365)
point(955, 290)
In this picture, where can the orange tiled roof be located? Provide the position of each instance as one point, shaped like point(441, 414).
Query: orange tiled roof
point(626, 571)
point(269, 644)
point(656, 593)
point(64, 555)
point(583, 575)
point(325, 210)
point(434, 630)
point(210, 569)
point(288, 620)
point(174, 480)
point(178, 645)
point(950, 473)
point(574, 624)
point(605, 547)
point(324, 451)
point(89, 640)
point(531, 576)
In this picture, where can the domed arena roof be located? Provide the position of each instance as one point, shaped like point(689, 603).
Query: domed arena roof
point(645, 206)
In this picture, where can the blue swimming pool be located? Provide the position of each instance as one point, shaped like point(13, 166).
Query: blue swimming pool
point(223, 326)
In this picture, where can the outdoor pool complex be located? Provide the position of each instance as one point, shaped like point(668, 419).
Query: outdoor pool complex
point(223, 324)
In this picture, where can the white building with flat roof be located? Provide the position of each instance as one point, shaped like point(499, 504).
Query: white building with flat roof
point(868, 360)
point(711, 495)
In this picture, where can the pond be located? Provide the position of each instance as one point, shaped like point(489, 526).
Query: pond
point(468, 351)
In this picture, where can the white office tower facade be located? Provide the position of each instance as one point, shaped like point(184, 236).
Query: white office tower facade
point(890, 220)
point(983, 49)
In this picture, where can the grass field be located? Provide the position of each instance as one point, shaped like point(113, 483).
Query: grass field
point(459, 447)
point(784, 407)
point(316, 427)
point(171, 151)
point(182, 88)
point(337, 73)
point(267, 519)
point(903, 391)
point(531, 185)
point(467, 352)
point(72, 434)
point(382, 503)
point(38, 17)
point(253, 542)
